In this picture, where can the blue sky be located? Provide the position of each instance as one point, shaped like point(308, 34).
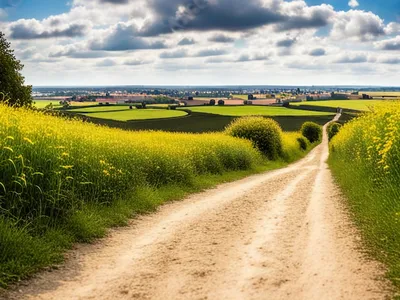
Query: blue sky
point(39, 9)
point(386, 9)
point(210, 42)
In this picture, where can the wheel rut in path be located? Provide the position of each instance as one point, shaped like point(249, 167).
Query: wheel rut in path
point(280, 235)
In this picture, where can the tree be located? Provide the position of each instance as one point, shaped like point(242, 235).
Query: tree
point(12, 83)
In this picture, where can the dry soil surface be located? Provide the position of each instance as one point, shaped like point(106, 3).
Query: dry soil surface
point(279, 235)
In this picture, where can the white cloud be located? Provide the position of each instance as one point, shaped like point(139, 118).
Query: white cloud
point(354, 3)
point(389, 44)
point(88, 37)
point(357, 25)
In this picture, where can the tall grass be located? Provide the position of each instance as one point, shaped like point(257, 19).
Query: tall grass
point(365, 158)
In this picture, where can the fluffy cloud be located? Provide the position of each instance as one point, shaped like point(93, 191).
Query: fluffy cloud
point(351, 59)
point(390, 44)
point(210, 52)
point(123, 37)
point(393, 28)
point(106, 63)
point(317, 52)
point(353, 3)
point(286, 43)
point(186, 42)
point(174, 54)
point(49, 28)
point(357, 25)
point(221, 38)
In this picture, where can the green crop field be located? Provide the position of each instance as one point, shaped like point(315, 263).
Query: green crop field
point(44, 103)
point(137, 114)
point(361, 105)
point(100, 109)
point(238, 111)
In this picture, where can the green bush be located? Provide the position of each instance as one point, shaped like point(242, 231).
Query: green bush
point(312, 131)
point(266, 134)
point(303, 143)
point(333, 129)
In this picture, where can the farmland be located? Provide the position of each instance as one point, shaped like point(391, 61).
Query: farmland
point(64, 181)
point(238, 111)
point(384, 94)
point(145, 114)
point(44, 103)
point(360, 105)
point(124, 113)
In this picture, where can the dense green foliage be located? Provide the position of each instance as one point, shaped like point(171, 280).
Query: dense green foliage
point(311, 131)
point(265, 134)
point(303, 142)
point(333, 129)
point(365, 159)
point(12, 88)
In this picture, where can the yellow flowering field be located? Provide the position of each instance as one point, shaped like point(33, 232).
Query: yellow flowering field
point(365, 159)
point(63, 180)
point(51, 165)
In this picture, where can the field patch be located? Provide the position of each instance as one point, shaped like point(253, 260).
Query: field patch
point(255, 111)
point(361, 105)
point(123, 113)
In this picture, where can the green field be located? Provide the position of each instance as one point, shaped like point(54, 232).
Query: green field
point(44, 103)
point(100, 109)
point(361, 105)
point(137, 114)
point(238, 111)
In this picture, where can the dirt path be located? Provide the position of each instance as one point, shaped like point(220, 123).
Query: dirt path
point(279, 235)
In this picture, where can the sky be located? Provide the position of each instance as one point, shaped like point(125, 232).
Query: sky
point(205, 42)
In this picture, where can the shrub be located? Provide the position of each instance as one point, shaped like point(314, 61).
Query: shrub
point(303, 143)
point(291, 146)
point(266, 134)
point(312, 131)
point(221, 102)
point(333, 129)
point(212, 102)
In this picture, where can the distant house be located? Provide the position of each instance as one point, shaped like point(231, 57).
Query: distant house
point(187, 98)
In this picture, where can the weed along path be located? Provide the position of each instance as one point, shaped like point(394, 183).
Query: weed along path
point(278, 235)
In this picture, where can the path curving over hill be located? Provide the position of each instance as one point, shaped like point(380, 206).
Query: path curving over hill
point(279, 235)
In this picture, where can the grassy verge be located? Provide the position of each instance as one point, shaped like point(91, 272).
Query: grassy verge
point(365, 160)
point(64, 181)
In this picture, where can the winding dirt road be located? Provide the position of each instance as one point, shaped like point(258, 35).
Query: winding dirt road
point(278, 235)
